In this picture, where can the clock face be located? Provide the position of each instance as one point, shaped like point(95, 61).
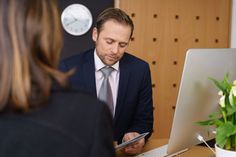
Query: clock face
point(76, 19)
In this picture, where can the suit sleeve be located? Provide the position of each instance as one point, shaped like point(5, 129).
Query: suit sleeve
point(103, 138)
point(143, 120)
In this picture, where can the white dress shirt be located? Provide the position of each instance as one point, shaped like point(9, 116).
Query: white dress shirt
point(113, 77)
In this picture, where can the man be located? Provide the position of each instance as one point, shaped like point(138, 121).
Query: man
point(130, 79)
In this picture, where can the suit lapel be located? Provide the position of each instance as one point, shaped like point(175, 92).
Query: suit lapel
point(122, 89)
point(89, 74)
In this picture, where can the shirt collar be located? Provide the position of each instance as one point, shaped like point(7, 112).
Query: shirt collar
point(99, 64)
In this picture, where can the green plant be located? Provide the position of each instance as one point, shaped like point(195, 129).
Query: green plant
point(225, 119)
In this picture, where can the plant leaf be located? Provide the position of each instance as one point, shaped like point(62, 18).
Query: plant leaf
point(223, 132)
point(220, 85)
point(216, 122)
point(230, 110)
point(207, 122)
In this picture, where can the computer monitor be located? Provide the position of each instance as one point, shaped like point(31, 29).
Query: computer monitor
point(197, 98)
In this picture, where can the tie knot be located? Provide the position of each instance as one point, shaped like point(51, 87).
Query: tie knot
point(106, 71)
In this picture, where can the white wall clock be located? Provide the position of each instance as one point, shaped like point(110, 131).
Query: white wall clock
point(76, 19)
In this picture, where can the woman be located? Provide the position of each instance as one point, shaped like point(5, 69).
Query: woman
point(36, 120)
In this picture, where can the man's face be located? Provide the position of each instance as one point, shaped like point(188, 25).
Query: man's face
point(112, 41)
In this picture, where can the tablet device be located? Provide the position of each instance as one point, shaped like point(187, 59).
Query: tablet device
point(129, 142)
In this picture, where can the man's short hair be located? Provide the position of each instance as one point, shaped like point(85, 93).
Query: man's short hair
point(115, 14)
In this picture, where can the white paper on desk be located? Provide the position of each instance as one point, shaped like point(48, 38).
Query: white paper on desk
point(160, 152)
point(157, 152)
point(129, 142)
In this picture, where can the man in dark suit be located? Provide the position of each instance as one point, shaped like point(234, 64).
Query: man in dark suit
point(130, 79)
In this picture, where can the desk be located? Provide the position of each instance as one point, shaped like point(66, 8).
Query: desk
point(195, 151)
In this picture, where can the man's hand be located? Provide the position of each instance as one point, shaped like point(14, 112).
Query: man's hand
point(135, 148)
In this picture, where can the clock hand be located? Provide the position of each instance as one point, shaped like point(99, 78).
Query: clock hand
point(75, 20)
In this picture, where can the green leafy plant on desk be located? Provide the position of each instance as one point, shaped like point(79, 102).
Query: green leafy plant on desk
point(225, 119)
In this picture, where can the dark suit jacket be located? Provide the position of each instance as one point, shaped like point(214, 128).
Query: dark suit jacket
point(134, 110)
point(72, 124)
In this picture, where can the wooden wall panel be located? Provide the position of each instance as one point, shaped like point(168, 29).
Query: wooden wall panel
point(164, 30)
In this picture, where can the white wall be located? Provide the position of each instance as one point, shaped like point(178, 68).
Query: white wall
point(233, 27)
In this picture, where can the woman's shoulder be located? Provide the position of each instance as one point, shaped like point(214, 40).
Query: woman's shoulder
point(75, 94)
point(73, 98)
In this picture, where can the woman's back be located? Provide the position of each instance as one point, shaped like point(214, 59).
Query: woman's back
point(34, 120)
point(71, 124)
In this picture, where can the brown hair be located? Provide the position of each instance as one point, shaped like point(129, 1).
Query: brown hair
point(30, 42)
point(114, 14)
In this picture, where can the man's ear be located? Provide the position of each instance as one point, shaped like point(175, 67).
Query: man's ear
point(95, 34)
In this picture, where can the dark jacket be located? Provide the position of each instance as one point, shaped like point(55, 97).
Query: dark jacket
point(71, 124)
point(134, 108)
